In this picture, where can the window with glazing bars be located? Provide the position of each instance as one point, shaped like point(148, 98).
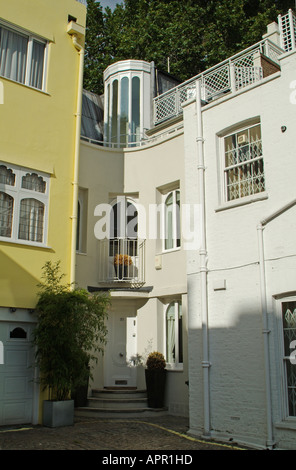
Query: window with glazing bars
point(22, 57)
point(23, 204)
point(243, 163)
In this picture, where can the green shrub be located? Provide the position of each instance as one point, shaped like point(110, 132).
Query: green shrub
point(70, 332)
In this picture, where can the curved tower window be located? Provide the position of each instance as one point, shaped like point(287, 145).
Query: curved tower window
point(114, 115)
point(124, 110)
point(135, 120)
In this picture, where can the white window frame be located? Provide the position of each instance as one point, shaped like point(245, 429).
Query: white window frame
point(31, 38)
point(175, 209)
point(18, 193)
point(177, 365)
point(254, 194)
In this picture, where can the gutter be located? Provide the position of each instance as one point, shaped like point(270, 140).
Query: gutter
point(203, 262)
point(76, 158)
point(266, 330)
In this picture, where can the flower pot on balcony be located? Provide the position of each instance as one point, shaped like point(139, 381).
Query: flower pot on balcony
point(120, 271)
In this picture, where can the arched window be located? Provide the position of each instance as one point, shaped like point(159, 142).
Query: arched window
point(124, 110)
point(114, 115)
point(174, 329)
point(172, 221)
point(6, 211)
point(135, 122)
point(33, 182)
point(124, 228)
point(31, 220)
point(6, 176)
point(23, 204)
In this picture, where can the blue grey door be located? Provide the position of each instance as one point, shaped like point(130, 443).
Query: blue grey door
point(16, 374)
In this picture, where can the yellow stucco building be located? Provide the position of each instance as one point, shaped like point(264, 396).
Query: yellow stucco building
point(41, 70)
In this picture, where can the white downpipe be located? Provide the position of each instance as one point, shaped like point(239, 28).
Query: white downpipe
point(203, 262)
point(76, 158)
point(266, 331)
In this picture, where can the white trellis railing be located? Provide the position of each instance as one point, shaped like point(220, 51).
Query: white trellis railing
point(230, 75)
point(287, 25)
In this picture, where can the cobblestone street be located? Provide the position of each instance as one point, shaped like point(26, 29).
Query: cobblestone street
point(162, 433)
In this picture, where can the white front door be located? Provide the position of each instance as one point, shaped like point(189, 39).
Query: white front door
point(120, 350)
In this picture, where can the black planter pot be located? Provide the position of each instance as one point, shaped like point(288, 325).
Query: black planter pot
point(121, 271)
point(155, 383)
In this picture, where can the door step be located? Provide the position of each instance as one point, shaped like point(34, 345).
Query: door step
point(118, 403)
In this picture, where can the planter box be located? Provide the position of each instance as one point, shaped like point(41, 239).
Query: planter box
point(58, 413)
point(155, 383)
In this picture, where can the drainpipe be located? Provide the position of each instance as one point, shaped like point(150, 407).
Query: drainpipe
point(76, 158)
point(266, 330)
point(203, 262)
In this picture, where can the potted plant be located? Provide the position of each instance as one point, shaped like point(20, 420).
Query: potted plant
point(70, 330)
point(121, 263)
point(155, 374)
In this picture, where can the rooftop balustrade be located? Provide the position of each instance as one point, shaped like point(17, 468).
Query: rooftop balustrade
point(227, 77)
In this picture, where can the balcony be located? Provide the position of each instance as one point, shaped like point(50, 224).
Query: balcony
point(122, 262)
point(229, 76)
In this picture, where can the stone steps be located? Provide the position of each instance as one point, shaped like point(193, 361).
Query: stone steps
point(118, 403)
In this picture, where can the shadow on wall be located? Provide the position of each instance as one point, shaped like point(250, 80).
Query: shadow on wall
point(18, 287)
point(236, 372)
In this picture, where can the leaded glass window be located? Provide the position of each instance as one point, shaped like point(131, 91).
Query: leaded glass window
point(289, 335)
point(6, 211)
point(243, 161)
point(6, 176)
point(23, 204)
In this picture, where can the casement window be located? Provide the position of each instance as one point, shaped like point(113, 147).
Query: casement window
point(174, 334)
point(23, 205)
point(243, 163)
point(288, 315)
point(172, 220)
point(22, 57)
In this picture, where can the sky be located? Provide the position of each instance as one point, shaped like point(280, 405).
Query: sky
point(109, 3)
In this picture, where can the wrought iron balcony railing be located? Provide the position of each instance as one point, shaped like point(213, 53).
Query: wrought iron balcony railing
point(122, 261)
point(229, 76)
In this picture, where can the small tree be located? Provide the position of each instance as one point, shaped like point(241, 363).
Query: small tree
point(70, 332)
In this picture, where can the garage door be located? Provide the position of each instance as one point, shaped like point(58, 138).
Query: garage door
point(16, 374)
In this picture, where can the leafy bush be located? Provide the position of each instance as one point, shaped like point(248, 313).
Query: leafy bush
point(70, 331)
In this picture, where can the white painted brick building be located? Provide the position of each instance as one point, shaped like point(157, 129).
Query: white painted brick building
point(238, 317)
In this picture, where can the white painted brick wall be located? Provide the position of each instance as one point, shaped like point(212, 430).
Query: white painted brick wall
point(237, 376)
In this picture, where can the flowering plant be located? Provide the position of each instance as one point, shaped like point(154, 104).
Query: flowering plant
point(122, 260)
point(155, 360)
